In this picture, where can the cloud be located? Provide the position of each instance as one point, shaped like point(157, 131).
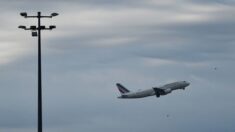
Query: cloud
point(140, 44)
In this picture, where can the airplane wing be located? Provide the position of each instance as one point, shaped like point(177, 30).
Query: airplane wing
point(159, 91)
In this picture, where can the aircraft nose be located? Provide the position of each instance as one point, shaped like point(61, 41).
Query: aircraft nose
point(187, 83)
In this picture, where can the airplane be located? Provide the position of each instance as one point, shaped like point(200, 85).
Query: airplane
point(157, 91)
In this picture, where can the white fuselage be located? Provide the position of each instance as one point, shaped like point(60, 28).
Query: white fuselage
point(168, 88)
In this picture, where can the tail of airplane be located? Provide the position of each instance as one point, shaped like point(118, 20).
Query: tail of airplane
point(122, 89)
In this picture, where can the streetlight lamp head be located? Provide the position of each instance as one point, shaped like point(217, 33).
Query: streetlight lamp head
point(22, 27)
point(52, 27)
point(33, 27)
point(34, 34)
point(42, 27)
point(24, 14)
point(54, 14)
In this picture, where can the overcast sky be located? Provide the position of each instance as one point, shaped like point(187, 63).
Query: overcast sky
point(140, 44)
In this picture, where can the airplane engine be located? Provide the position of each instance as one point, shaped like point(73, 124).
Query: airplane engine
point(167, 91)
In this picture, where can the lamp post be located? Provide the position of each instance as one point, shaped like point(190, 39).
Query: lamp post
point(36, 32)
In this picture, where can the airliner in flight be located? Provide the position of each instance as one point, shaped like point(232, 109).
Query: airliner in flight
point(157, 91)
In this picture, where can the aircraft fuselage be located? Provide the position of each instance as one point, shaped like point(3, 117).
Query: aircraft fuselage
point(158, 91)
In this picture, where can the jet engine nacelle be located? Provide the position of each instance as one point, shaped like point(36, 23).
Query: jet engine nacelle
point(167, 91)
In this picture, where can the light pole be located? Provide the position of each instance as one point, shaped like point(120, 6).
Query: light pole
point(36, 32)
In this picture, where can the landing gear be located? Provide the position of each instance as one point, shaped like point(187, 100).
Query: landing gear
point(158, 95)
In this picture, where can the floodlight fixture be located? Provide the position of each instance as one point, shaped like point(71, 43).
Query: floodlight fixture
point(34, 34)
point(33, 27)
point(54, 14)
point(24, 14)
point(42, 27)
point(52, 27)
point(22, 27)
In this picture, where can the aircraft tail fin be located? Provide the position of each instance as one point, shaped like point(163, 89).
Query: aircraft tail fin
point(122, 89)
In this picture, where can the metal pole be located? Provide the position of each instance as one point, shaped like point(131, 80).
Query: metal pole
point(39, 76)
point(34, 34)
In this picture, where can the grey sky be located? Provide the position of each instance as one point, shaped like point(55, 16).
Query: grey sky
point(140, 44)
